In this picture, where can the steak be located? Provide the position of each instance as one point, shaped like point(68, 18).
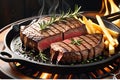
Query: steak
point(91, 46)
point(34, 38)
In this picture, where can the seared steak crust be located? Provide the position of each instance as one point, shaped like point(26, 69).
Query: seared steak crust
point(64, 52)
point(34, 38)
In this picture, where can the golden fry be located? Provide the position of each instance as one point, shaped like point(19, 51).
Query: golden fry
point(109, 37)
point(91, 26)
point(106, 42)
point(87, 25)
point(111, 49)
point(113, 33)
point(116, 42)
point(97, 27)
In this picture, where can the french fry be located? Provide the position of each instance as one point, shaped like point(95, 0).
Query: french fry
point(97, 31)
point(106, 42)
point(105, 37)
point(116, 42)
point(90, 24)
point(117, 22)
point(87, 25)
point(96, 26)
point(113, 33)
point(109, 37)
point(111, 49)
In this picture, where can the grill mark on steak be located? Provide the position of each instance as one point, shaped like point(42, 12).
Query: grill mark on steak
point(67, 23)
point(86, 49)
point(63, 29)
point(80, 48)
point(95, 41)
point(82, 57)
point(53, 26)
point(93, 38)
point(69, 46)
point(35, 29)
point(53, 30)
point(47, 32)
point(50, 32)
point(60, 26)
point(87, 39)
point(65, 26)
point(75, 22)
point(67, 49)
point(71, 22)
point(82, 42)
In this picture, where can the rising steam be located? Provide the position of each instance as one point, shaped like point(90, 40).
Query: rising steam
point(53, 6)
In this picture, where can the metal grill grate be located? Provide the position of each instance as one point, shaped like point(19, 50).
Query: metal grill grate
point(96, 74)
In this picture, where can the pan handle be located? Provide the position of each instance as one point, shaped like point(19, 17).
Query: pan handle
point(7, 57)
point(112, 17)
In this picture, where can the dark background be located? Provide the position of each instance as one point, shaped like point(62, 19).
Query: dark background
point(12, 10)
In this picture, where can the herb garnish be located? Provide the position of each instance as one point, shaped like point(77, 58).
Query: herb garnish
point(45, 24)
point(54, 18)
point(76, 42)
point(42, 56)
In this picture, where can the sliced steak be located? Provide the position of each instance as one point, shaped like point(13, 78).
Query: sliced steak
point(34, 38)
point(91, 46)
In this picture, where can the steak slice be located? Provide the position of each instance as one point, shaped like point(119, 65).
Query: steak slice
point(65, 52)
point(34, 38)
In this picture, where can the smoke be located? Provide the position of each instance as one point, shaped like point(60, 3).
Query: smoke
point(53, 6)
point(42, 7)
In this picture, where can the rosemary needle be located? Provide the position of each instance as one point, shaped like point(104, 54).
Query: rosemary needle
point(42, 56)
point(53, 19)
point(76, 42)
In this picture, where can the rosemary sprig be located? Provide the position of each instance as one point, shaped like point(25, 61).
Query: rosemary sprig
point(42, 56)
point(69, 13)
point(53, 19)
point(76, 42)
